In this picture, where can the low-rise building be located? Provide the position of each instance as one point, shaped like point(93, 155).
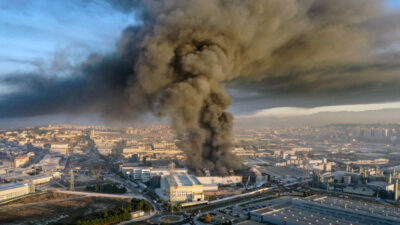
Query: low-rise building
point(137, 214)
point(327, 210)
point(39, 179)
point(139, 173)
point(359, 190)
point(7, 163)
point(144, 173)
point(380, 161)
point(13, 190)
point(181, 187)
point(226, 180)
point(61, 148)
point(381, 185)
point(20, 161)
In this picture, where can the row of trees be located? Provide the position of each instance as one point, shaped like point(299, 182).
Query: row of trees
point(119, 214)
point(172, 207)
point(109, 217)
point(141, 204)
point(107, 188)
point(207, 218)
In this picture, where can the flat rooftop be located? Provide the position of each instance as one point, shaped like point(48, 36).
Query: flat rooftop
point(360, 206)
point(282, 171)
point(4, 187)
point(297, 214)
point(183, 179)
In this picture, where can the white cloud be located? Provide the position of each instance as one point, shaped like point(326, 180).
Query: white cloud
point(294, 111)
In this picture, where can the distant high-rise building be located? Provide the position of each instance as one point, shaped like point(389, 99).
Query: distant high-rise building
point(387, 132)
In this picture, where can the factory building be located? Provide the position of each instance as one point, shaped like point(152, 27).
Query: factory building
point(28, 179)
point(139, 174)
point(381, 185)
point(181, 187)
point(221, 180)
point(359, 190)
point(328, 210)
point(144, 174)
point(40, 179)
point(13, 190)
point(341, 177)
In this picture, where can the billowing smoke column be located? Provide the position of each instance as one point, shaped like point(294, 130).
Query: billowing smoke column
point(183, 63)
point(176, 62)
point(192, 46)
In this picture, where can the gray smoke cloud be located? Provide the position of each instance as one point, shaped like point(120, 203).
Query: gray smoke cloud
point(176, 63)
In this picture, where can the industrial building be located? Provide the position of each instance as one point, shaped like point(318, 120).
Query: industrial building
point(13, 190)
point(144, 174)
point(139, 173)
point(227, 180)
point(28, 179)
point(381, 185)
point(181, 187)
point(41, 178)
point(359, 190)
point(50, 161)
point(328, 210)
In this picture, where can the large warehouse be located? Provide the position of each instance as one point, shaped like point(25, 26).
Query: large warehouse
point(182, 187)
point(13, 190)
point(327, 210)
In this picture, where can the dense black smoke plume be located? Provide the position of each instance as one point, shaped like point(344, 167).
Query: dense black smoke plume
point(177, 61)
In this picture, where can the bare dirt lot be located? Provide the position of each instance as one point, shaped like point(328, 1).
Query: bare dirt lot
point(55, 208)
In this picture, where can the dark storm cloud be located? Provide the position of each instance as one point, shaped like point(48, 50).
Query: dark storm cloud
point(359, 83)
point(177, 62)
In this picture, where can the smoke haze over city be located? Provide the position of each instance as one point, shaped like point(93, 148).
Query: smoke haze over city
point(177, 59)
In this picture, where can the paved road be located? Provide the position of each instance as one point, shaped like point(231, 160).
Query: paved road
point(94, 194)
point(145, 217)
point(133, 189)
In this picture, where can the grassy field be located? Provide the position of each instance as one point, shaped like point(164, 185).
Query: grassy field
point(54, 208)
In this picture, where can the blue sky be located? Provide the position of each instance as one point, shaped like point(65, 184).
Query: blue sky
point(32, 32)
point(393, 3)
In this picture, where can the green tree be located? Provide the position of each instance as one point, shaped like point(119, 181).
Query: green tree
point(105, 213)
point(207, 218)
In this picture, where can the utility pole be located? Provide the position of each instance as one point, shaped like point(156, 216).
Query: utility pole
point(71, 183)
